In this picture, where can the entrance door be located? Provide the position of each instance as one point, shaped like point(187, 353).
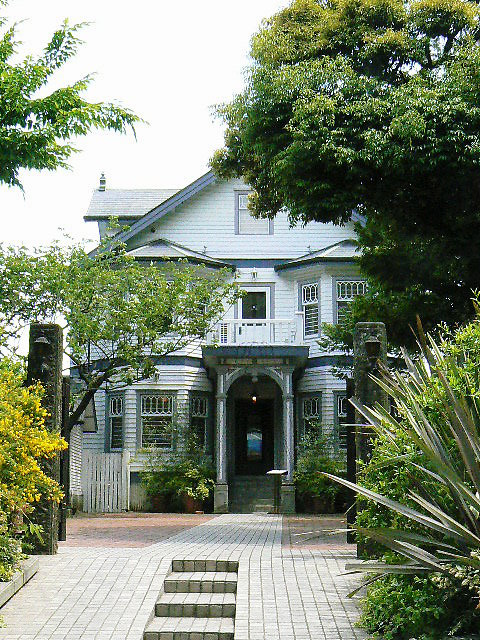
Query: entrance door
point(254, 436)
point(254, 307)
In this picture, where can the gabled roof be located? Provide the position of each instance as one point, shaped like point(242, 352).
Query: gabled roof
point(125, 203)
point(343, 251)
point(164, 250)
point(179, 198)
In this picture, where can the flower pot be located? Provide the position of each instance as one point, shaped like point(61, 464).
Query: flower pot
point(159, 503)
point(191, 505)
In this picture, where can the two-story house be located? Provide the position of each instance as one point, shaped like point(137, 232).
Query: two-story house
point(261, 376)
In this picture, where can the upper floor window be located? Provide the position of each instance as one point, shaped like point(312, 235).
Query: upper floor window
point(245, 223)
point(156, 414)
point(310, 308)
point(115, 417)
point(346, 292)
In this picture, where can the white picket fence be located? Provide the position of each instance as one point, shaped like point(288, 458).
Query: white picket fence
point(106, 482)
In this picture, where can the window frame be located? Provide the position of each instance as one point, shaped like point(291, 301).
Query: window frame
point(247, 192)
point(208, 432)
point(158, 393)
point(301, 414)
point(337, 394)
point(335, 292)
point(301, 306)
point(109, 396)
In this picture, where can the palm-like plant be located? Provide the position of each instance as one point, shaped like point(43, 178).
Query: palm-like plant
point(449, 538)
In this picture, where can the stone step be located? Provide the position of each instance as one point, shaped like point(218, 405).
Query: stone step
point(201, 582)
point(196, 605)
point(205, 565)
point(190, 628)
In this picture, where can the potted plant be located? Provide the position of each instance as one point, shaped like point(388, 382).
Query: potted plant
point(186, 477)
point(317, 456)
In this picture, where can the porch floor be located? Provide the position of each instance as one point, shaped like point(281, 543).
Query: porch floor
point(288, 591)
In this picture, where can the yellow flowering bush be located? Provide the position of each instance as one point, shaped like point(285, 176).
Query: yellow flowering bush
point(25, 442)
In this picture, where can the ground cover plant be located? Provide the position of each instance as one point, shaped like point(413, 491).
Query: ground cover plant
point(420, 493)
point(25, 442)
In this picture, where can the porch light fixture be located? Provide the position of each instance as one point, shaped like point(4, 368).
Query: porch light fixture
point(254, 274)
point(254, 389)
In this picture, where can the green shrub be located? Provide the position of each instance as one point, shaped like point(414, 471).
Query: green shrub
point(186, 473)
point(316, 456)
point(400, 607)
point(420, 494)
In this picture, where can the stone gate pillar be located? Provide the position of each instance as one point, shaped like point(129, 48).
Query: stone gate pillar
point(220, 496)
point(288, 488)
point(45, 366)
point(369, 348)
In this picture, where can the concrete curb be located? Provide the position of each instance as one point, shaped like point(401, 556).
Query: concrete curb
point(9, 589)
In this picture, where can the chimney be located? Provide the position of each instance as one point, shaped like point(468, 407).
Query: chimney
point(103, 183)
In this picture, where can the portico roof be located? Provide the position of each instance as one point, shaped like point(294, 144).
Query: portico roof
point(266, 355)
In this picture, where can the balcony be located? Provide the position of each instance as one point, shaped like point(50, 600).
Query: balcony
point(272, 332)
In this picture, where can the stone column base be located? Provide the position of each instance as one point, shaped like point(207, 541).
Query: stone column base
point(220, 498)
point(288, 498)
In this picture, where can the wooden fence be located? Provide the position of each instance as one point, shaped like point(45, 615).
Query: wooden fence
point(106, 482)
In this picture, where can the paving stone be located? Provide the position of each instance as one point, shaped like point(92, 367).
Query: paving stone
point(290, 592)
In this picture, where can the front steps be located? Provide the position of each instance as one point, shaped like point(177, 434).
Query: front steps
point(197, 602)
point(250, 494)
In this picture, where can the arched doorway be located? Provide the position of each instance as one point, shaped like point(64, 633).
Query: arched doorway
point(255, 440)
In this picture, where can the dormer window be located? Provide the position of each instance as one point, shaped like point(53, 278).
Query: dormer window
point(245, 223)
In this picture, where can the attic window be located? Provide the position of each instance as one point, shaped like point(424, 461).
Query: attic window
point(245, 223)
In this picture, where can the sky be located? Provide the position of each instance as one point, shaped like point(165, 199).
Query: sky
point(169, 62)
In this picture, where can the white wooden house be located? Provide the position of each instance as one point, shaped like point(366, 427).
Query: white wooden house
point(261, 376)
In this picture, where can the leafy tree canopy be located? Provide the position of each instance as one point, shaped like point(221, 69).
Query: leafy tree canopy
point(37, 126)
point(371, 105)
point(118, 314)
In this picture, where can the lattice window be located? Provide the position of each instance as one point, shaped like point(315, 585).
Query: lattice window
point(342, 405)
point(310, 309)
point(312, 413)
point(157, 413)
point(347, 291)
point(247, 224)
point(312, 408)
point(199, 417)
point(115, 413)
point(223, 333)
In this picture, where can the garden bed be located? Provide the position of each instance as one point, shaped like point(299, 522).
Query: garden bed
point(10, 588)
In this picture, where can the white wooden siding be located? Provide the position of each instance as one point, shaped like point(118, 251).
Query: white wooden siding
point(75, 455)
point(208, 220)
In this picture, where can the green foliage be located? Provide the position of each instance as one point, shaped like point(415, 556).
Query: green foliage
point(11, 556)
point(371, 105)
point(25, 442)
point(405, 607)
point(419, 493)
point(185, 473)
point(37, 126)
point(119, 314)
point(316, 456)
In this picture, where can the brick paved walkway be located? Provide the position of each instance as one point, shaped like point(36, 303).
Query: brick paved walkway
point(128, 530)
point(94, 593)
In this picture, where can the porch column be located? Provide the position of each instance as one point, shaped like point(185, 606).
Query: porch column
point(221, 487)
point(288, 488)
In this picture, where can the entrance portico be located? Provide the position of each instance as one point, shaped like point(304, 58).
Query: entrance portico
point(254, 426)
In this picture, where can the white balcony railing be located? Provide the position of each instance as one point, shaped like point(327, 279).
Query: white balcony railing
point(251, 332)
